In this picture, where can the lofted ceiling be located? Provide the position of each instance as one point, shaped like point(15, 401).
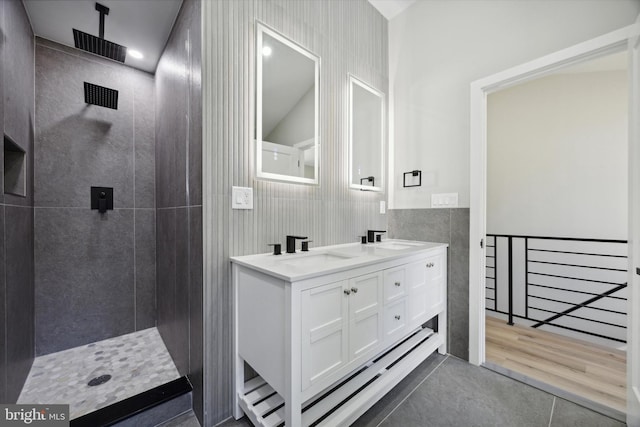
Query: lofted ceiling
point(391, 8)
point(142, 25)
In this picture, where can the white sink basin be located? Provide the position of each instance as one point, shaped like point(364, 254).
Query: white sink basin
point(396, 246)
point(313, 259)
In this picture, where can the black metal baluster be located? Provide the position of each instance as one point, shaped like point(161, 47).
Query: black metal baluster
point(510, 272)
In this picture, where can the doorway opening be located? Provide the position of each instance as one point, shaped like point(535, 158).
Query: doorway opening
point(617, 41)
point(556, 257)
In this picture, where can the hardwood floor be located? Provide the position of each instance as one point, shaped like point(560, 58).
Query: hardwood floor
point(587, 370)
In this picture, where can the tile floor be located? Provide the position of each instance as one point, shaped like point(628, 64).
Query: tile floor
point(136, 362)
point(446, 391)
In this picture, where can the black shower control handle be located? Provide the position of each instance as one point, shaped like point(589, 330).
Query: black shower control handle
point(102, 199)
point(102, 204)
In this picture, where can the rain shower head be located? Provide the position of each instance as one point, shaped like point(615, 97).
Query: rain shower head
point(102, 47)
point(99, 45)
point(101, 96)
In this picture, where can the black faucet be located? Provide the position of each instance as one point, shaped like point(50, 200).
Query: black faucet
point(371, 235)
point(291, 243)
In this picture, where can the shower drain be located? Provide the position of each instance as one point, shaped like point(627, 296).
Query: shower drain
point(99, 380)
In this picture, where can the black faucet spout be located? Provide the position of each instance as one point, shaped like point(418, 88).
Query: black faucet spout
point(291, 243)
point(371, 235)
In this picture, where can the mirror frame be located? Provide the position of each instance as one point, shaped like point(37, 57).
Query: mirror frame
point(260, 30)
point(353, 80)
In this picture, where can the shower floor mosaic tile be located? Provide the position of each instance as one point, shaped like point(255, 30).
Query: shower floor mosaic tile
point(136, 362)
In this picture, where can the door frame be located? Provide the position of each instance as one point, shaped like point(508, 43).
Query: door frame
point(633, 316)
point(615, 41)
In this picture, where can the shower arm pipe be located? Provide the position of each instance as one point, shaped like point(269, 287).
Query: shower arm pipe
point(104, 10)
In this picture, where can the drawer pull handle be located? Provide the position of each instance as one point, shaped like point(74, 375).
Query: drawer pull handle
point(397, 283)
point(354, 290)
point(347, 292)
point(397, 316)
point(429, 265)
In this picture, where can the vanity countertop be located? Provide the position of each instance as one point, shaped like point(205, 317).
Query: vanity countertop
point(331, 259)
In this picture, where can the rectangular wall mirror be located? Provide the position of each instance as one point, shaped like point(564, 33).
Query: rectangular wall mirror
point(366, 136)
point(287, 80)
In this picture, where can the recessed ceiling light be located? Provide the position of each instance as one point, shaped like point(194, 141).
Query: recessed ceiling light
point(266, 51)
point(135, 54)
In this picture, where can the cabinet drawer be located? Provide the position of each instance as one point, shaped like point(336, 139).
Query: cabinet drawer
point(395, 320)
point(435, 267)
point(395, 285)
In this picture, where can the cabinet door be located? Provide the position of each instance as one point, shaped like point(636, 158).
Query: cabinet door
point(436, 283)
point(426, 281)
point(324, 331)
point(365, 315)
point(417, 283)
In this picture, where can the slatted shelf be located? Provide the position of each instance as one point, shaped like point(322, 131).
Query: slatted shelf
point(344, 403)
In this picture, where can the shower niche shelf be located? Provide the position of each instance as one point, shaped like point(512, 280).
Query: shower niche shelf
point(15, 173)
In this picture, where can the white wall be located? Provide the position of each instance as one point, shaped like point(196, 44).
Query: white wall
point(557, 157)
point(438, 47)
point(298, 125)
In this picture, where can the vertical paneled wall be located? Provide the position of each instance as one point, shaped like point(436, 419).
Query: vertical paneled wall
point(16, 211)
point(94, 273)
point(179, 196)
point(349, 37)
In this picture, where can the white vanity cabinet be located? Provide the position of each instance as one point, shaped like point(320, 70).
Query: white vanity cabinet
point(352, 325)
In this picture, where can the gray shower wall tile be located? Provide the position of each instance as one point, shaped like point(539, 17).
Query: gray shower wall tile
point(18, 91)
point(3, 296)
point(195, 108)
point(104, 265)
point(166, 276)
point(145, 264)
point(84, 276)
point(145, 140)
point(174, 271)
point(180, 343)
point(3, 49)
point(178, 187)
point(19, 297)
point(172, 92)
point(195, 307)
point(18, 77)
point(80, 145)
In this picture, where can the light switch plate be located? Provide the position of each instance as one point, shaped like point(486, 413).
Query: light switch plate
point(241, 198)
point(444, 200)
